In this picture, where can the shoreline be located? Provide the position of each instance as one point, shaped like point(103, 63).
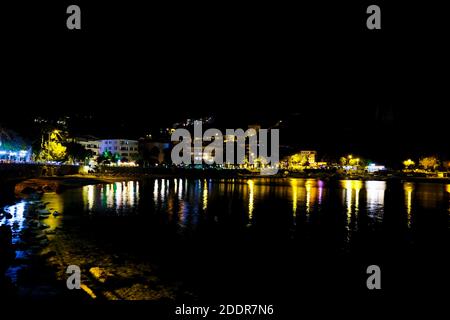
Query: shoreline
point(61, 183)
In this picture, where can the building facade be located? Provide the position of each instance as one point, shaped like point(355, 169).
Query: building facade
point(127, 149)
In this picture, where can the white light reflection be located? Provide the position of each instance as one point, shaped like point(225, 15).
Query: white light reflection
point(155, 191)
point(17, 220)
point(180, 189)
point(163, 190)
point(375, 197)
point(118, 194)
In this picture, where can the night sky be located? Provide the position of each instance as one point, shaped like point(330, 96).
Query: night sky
point(338, 86)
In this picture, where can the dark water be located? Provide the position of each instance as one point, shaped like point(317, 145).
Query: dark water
point(262, 238)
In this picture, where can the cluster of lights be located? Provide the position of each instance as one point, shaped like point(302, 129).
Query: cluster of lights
point(21, 153)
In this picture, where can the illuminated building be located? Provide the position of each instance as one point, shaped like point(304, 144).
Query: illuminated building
point(305, 158)
point(125, 148)
point(89, 143)
point(15, 156)
point(375, 168)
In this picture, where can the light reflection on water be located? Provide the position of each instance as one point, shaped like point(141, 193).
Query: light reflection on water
point(408, 187)
point(16, 222)
point(118, 197)
point(187, 202)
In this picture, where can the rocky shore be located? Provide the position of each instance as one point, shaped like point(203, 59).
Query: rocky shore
point(59, 184)
point(35, 251)
point(25, 239)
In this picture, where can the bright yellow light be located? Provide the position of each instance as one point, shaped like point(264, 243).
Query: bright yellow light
point(205, 195)
point(408, 163)
point(251, 185)
point(408, 188)
point(349, 186)
point(350, 156)
point(294, 196)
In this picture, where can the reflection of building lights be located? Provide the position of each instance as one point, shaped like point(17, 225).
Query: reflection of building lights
point(180, 189)
point(155, 191)
point(118, 194)
point(349, 186)
point(409, 188)
point(250, 198)
point(205, 195)
point(294, 196)
point(90, 197)
point(308, 188)
point(163, 189)
point(17, 213)
point(131, 193)
point(110, 195)
point(320, 187)
point(375, 196)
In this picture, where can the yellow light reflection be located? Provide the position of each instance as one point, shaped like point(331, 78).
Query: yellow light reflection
point(294, 187)
point(409, 188)
point(205, 195)
point(88, 197)
point(131, 193)
point(311, 193)
point(250, 199)
point(56, 203)
point(350, 186)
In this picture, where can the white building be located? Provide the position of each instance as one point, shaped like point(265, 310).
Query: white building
point(127, 149)
point(90, 143)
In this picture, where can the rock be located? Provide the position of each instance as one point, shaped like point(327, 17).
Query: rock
point(33, 223)
point(44, 243)
point(48, 253)
point(28, 190)
point(43, 212)
point(43, 217)
point(50, 232)
point(100, 274)
point(47, 188)
point(41, 236)
point(43, 226)
point(56, 213)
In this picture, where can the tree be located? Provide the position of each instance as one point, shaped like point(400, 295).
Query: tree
point(429, 163)
point(108, 157)
point(78, 153)
point(52, 148)
point(408, 164)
